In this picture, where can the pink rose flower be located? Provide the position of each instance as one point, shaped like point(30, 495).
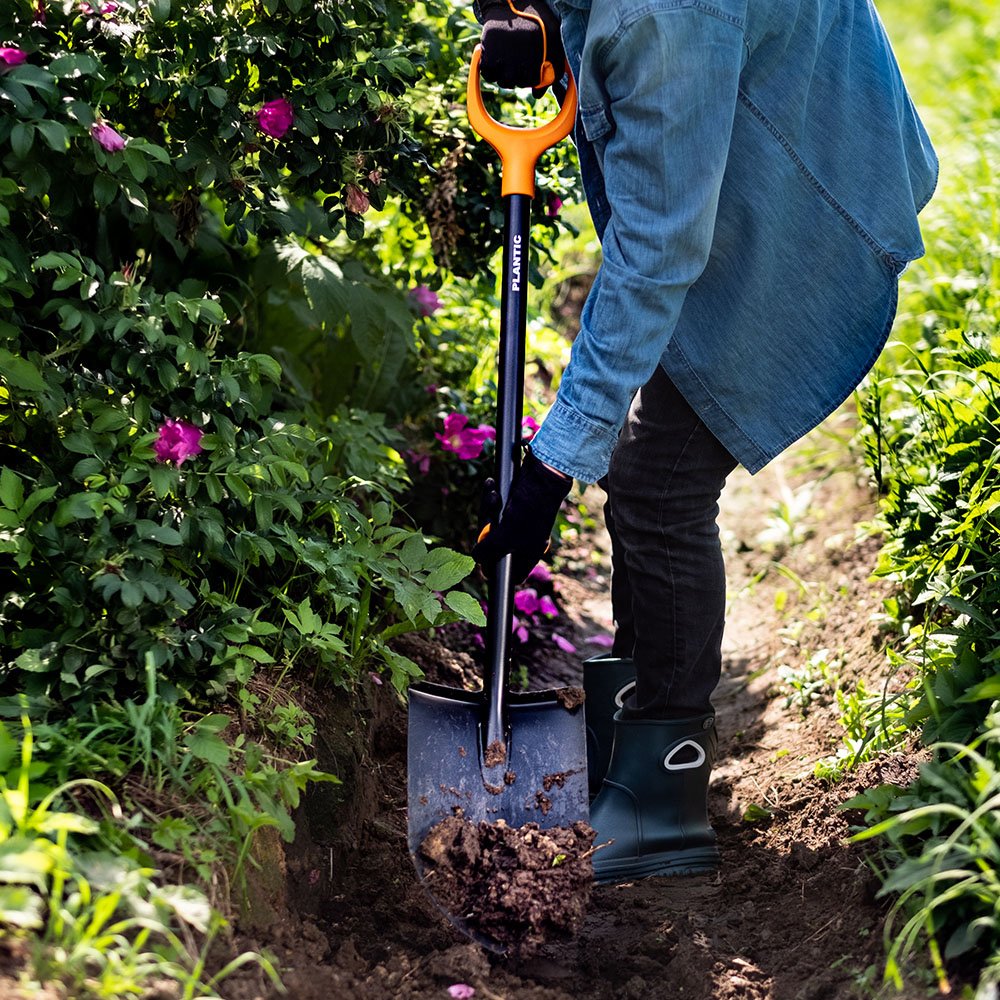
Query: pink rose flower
point(541, 572)
point(275, 118)
point(519, 629)
point(602, 640)
point(529, 428)
point(564, 644)
point(548, 607)
point(356, 200)
point(461, 991)
point(425, 300)
point(177, 441)
point(9, 58)
point(466, 442)
point(552, 210)
point(375, 176)
point(422, 462)
point(106, 137)
point(526, 601)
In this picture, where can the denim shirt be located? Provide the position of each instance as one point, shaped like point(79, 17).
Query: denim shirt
point(754, 169)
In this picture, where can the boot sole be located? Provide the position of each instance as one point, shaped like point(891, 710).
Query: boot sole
point(691, 861)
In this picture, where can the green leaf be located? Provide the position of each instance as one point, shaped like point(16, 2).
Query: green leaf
point(83, 113)
point(22, 135)
point(209, 748)
point(37, 498)
point(11, 489)
point(215, 723)
point(105, 189)
point(55, 134)
point(70, 822)
point(412, 554)
point(160, 9)
point(149, 530)
point(20, 372)
point(310, 621)
point(453, 568)
point(163, 478)
point(110, 420)
point(238, 488)
point(986, 690)
point(136, 163)
point(73, 64)
point(216, 95)
point(77, 507)
point(467, 606)
point(21, 907)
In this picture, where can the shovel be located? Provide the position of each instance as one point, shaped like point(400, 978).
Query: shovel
point(496, 754)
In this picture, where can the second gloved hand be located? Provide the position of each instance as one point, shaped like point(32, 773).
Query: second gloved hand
point(519, 39)
point(527, 519)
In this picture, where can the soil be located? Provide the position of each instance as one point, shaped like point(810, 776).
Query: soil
point(520, 887)
point(793, 914)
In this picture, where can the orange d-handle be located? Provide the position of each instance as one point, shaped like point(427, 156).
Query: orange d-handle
point(518, 148)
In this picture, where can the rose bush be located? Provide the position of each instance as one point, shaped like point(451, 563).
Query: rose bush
point(170, 174)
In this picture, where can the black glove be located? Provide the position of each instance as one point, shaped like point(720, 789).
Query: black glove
point(527, 519)
point(521, 44)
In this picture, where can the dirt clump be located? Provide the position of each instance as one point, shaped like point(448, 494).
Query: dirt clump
point(519, 887)
point(570, 697)
point(496, 754)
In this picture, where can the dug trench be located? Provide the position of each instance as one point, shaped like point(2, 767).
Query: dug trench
point(792, 914)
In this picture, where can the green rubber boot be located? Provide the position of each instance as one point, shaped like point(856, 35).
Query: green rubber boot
point(653, 802)
point(607, 680)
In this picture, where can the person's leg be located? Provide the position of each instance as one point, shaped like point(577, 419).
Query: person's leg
point(668, 574)
point(669, 596)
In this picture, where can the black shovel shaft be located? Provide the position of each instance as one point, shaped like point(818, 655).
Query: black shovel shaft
point(510, 402)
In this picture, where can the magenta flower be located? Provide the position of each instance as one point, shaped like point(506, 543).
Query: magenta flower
point(425, 300)
point(564, 644)
point(106, 137)
point(422, 462)
point(519, 629)
point(552, 209)
point(466, 442)
point(548, 607)
point(177, 441)
point(541, 572)
point(602, 640)
point(9, 58)
point(461, 991)
point(375, 677)
point(529, 428)
point(526, 601)
point(275, 118)
point(356, 200)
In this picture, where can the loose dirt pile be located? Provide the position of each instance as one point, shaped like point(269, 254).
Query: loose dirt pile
point(514, 888)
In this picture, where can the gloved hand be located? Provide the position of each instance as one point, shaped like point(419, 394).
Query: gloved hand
point(527, 519)
point(521, 44)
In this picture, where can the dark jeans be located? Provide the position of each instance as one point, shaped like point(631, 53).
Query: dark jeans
point(668, 582)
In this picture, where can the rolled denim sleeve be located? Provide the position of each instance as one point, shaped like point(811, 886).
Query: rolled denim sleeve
point(669, 80)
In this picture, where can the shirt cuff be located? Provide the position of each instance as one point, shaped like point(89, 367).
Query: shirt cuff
point(574, 444)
